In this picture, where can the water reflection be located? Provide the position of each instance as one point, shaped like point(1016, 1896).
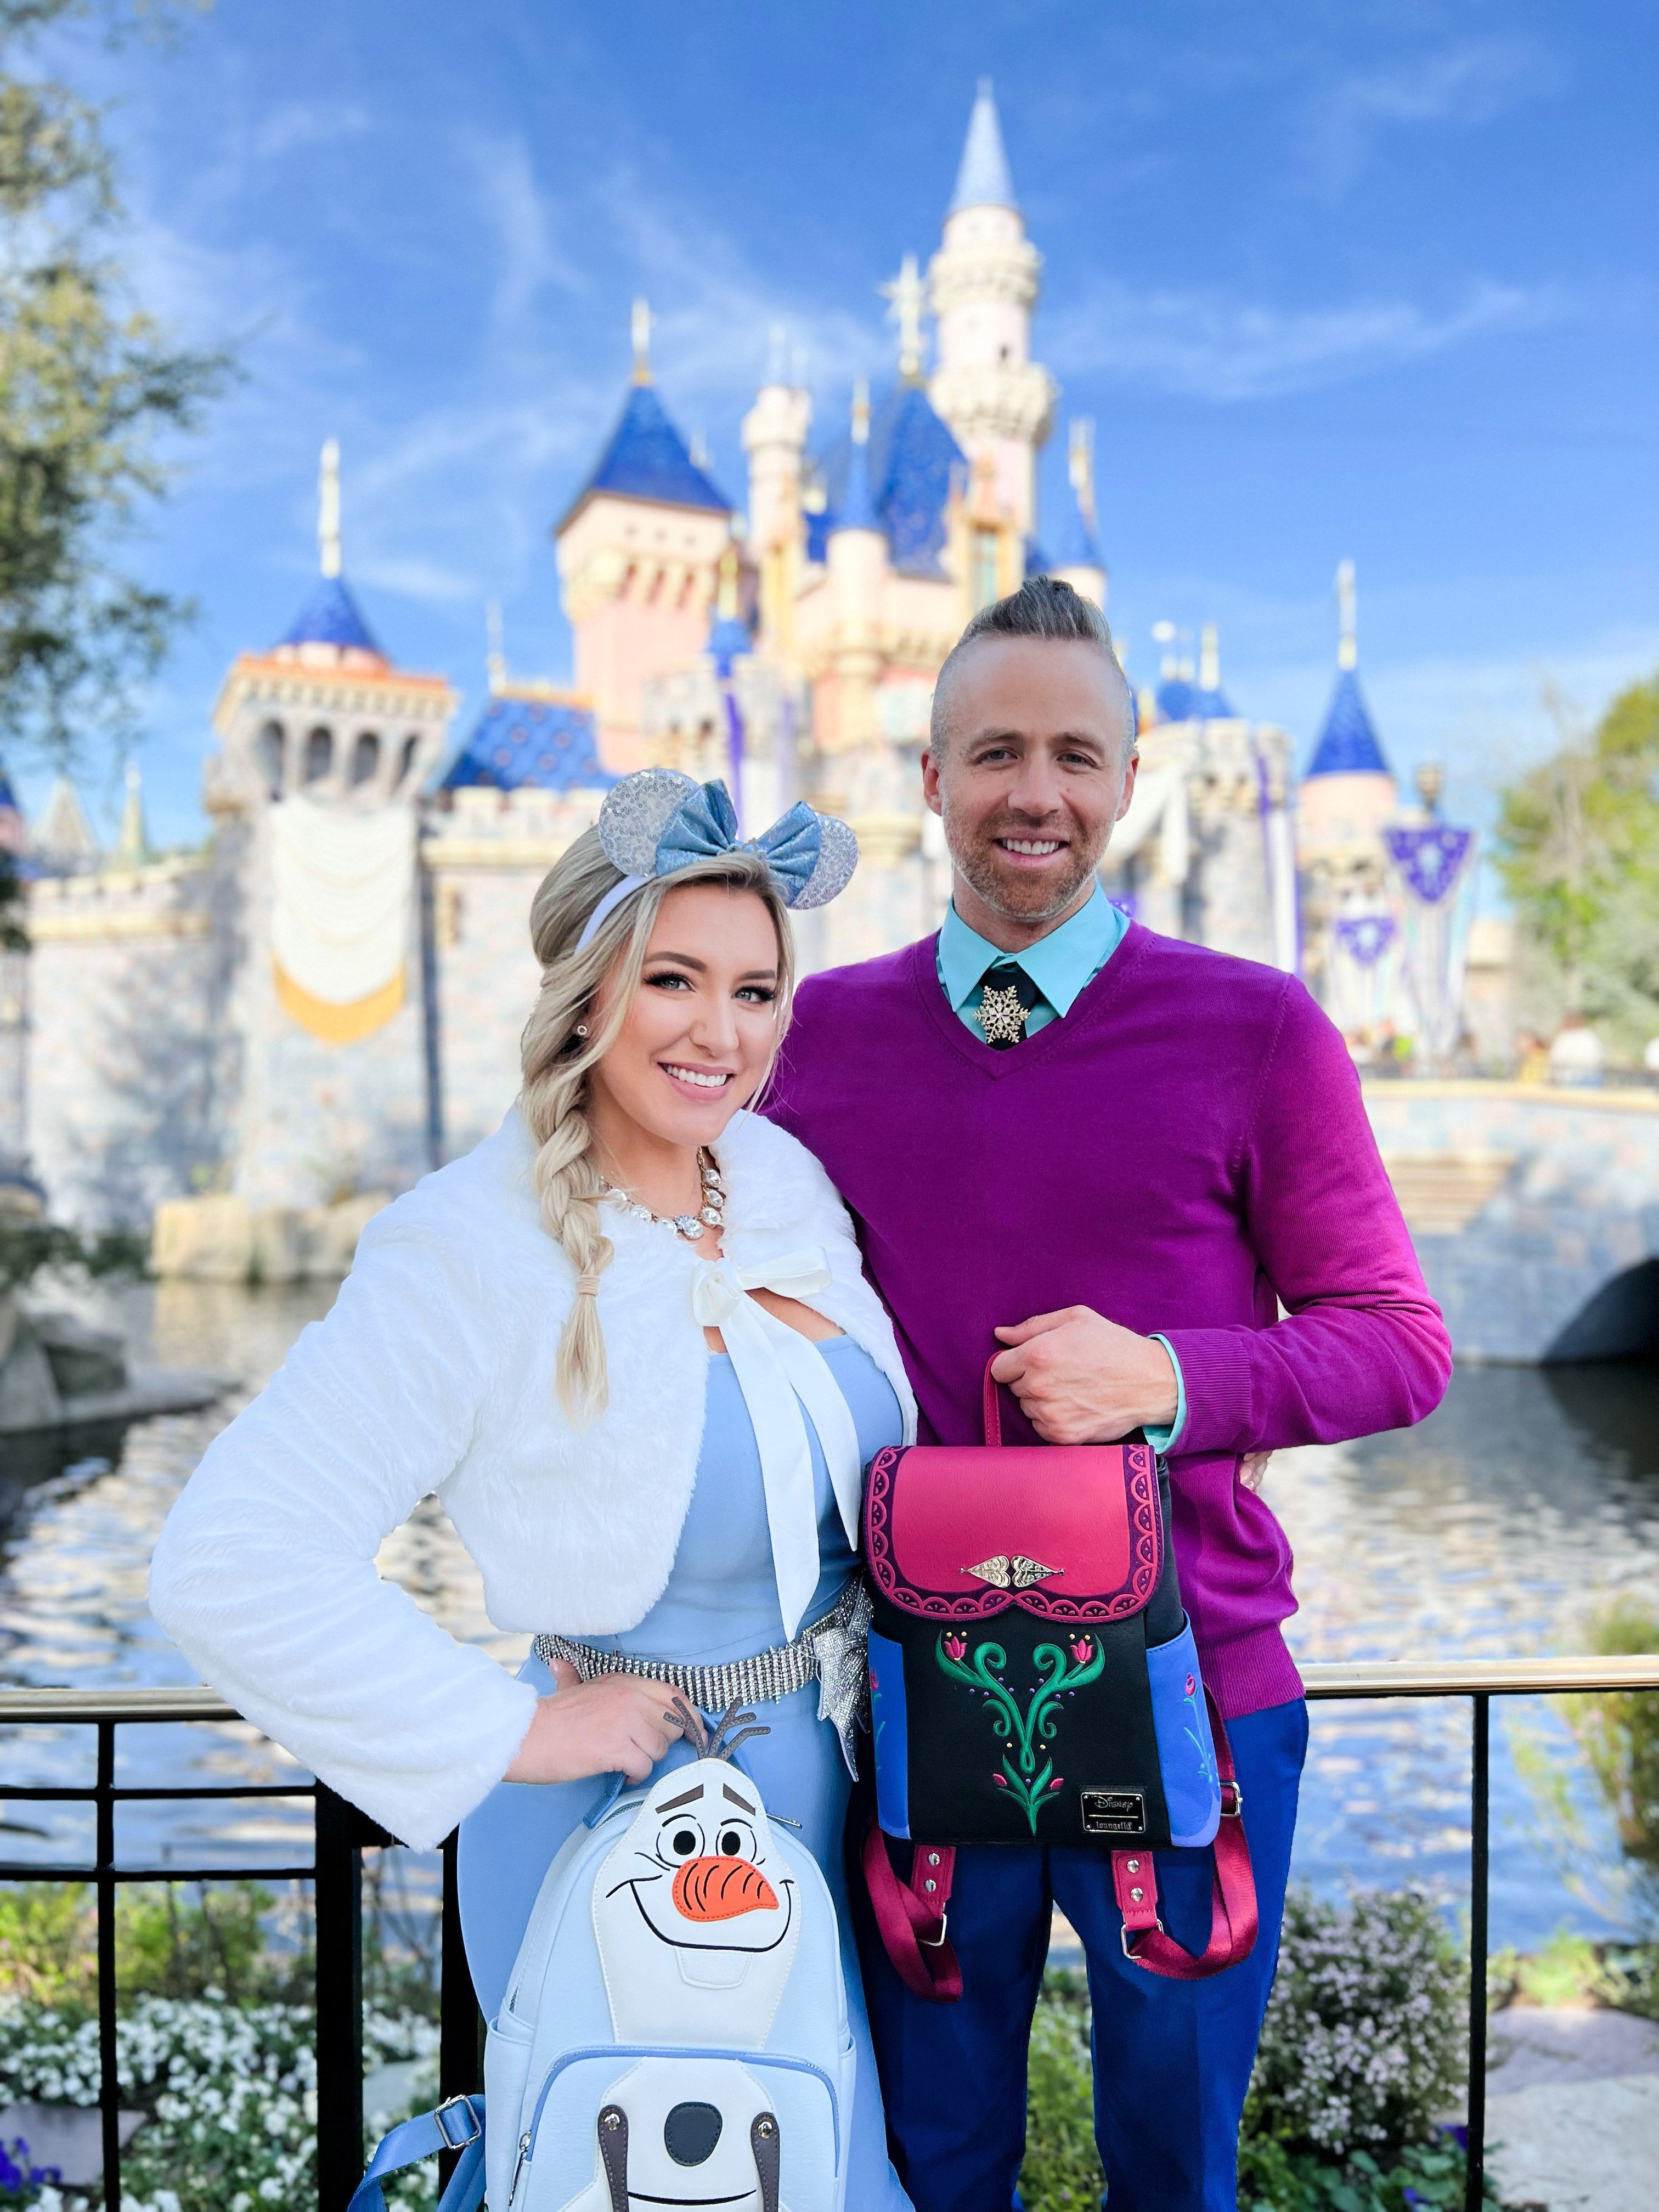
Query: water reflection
point(1528, 1498)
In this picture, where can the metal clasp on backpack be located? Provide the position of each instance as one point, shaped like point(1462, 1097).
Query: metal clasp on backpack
point(1236, 1810)
point(475, 2125)
point(934, 1942)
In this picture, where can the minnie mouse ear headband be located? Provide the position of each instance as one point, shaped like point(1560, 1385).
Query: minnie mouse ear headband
point(657, 822)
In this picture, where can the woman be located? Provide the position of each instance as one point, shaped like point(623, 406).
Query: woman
point(629, 1343)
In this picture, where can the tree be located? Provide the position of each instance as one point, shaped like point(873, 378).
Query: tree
point(89, 387)
point(1578, 850)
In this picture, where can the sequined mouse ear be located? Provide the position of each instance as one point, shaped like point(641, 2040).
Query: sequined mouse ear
point(838, 855)
point(635, 813)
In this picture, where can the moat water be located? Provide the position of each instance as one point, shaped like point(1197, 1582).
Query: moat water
point(1500, 1527)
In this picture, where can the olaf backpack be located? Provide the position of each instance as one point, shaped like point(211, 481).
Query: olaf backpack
point(675, 2031)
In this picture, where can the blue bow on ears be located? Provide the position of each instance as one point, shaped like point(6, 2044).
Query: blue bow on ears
point(656, 822)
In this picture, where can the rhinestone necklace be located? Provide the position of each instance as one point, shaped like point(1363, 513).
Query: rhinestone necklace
point(689, 1225)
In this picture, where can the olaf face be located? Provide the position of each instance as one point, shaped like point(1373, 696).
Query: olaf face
point(696, 1872)
point(693, 1913)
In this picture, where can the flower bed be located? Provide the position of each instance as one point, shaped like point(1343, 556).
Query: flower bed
point(231, 2092)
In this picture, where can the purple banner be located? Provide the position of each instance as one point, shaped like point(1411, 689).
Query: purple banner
point(1430, 860)
point(1366, 937)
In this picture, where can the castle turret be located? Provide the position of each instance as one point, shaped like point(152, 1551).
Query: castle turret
point(1077, 555)
point(984, 283)
point(856, 557)
point(639, 556)
point(775, 433)
point(1348, 792)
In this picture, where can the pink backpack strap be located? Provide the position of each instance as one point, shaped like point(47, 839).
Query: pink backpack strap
point(913, 1916)
point(1232, 1893)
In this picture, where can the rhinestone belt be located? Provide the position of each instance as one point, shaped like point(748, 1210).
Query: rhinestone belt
point(830, 1651)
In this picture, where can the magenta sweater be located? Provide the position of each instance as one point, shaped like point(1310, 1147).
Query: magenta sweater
point(1184, 1151)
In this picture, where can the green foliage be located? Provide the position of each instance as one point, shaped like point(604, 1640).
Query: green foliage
point(1061, 2171)
point(1273, 2178)
point(231, 2092)
point(1364, 2043)
point(27, 1247)
point(89, 384)
point(1578, 850)
point(171, 1940)
point(1619, 1733)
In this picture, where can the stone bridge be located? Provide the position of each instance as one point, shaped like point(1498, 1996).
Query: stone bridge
point(1534, 1211)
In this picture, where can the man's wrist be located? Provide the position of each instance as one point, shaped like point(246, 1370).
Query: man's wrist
point(1164, 1430)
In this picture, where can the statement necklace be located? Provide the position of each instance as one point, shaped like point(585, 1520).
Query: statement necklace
point(689, 1225)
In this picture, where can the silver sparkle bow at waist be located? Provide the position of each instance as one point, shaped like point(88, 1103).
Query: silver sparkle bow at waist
point(830, 1651)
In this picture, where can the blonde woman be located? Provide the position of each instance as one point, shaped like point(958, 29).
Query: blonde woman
point(629, 1343)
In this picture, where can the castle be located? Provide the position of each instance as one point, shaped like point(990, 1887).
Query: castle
point(326, 1000)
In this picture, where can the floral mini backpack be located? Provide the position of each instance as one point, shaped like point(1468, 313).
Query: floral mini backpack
point(1034, 1679)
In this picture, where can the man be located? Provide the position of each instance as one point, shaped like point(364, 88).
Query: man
point(1118, 1155)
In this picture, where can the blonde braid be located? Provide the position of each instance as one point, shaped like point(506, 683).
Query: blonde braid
point(557, 1062)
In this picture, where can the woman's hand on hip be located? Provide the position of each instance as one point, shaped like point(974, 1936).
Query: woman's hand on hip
point(615, 1722)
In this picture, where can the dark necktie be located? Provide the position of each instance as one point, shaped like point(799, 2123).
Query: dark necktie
point(1007, 995)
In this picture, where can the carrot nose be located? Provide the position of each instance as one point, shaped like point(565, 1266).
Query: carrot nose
point(719, 1889)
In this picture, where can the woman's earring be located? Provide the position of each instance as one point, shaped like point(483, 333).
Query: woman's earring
point(581, 1029)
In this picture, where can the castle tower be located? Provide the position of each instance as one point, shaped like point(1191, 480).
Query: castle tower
point(325, 746)
point(1077, 555)
point(1348, 792)
point(639, 551)
point(984, 283)
point(775, 433)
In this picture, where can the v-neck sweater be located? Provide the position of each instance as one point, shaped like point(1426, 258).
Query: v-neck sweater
point(1186, 1151)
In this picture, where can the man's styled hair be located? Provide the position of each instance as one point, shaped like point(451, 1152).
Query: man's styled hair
point(1043, 606)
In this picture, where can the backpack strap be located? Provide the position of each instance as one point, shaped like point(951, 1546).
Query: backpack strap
point(456, 2124)
point(1232, 1888)
point(913, 1916)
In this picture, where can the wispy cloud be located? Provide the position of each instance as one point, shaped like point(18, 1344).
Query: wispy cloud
point(1461, 87)
point(523, 223)
point(305, 123)
point(1214, 347)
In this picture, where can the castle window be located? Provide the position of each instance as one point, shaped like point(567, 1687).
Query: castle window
point(320, 755)
point(983, 578)
point(268, 749)
point(364, 757)
point(411, 746)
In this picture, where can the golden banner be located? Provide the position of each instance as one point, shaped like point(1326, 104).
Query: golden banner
point(332, 1025)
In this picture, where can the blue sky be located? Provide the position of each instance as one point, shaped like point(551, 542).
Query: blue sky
point(1375, 280)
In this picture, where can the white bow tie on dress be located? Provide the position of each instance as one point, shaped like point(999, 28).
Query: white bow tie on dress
point(778, 1371)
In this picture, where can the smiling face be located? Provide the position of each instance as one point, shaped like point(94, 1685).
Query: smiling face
point(699, 1036)
point(1037, 764)
point(694, 1912)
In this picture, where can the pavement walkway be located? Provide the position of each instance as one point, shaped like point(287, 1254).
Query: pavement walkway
point(1572, 2109)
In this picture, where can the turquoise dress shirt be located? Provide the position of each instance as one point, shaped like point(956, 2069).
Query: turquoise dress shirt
point(1059, 966)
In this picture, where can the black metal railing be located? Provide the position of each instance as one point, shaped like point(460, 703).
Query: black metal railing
point(341, 1834)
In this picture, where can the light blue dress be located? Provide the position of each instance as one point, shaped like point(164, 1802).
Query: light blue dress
point(721, 1603)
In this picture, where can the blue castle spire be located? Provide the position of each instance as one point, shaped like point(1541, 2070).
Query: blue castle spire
point(984, 178)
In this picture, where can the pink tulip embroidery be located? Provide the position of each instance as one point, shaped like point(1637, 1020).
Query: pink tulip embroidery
point(1024, 1731)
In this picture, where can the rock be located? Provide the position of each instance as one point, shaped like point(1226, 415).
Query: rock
point(221, 1240)
point(209, 1239)
point(82, 1359)
point(69, 2137)
point(29, 1397)
point(331, 1234)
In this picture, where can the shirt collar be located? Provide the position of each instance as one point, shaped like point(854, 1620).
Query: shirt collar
point(1060, 964)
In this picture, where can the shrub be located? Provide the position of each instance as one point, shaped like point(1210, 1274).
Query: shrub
point(1619, 1733)
point(1061, 2171)
point(231, 2092)
point(1364, 2043)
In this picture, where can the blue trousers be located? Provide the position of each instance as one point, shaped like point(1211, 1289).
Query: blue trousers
point(1172, 2059)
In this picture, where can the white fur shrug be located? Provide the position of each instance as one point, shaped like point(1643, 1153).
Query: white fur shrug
point(434, 1371)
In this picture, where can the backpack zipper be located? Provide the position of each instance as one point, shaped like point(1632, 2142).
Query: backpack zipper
point(518, 2167)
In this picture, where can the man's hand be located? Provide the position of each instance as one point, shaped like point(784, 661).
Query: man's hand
point(1080, 1379)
